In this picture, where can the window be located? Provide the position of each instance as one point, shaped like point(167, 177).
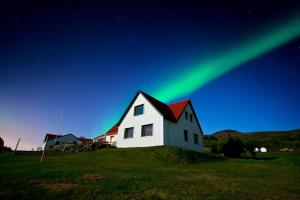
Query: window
point(186, 115)
point(186, 135)
point(147, 130)
point(196, 139)
point(128, 133)
point(139, 110)
point(191, 117)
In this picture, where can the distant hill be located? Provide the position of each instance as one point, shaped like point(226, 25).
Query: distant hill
point(274, 140)
point(257, 135)
point(226, 133)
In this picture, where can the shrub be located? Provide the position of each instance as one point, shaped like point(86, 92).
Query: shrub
point(216, 147)
point(232, 148)
point(250, 147)
point(7, 149)
point(1, 144)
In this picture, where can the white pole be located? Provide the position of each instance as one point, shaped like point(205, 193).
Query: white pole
point(60, 121)
point(59, 125)
point(44, 149)
point(17, 146)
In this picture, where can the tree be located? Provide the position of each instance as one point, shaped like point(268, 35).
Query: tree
point(1, 144)
point(216, 147)
point(233, 148)
point(250, 147)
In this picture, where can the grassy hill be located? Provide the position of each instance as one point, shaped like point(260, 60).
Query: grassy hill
point(258, 135)
point(273, 140)
point(148, 173)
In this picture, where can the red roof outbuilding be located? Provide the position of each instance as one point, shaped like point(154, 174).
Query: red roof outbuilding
point(113, 130)
point(51, 136)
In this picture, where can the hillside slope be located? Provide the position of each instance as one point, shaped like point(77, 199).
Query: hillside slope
point(148, 173)
point(273, 140)
point(257, 135)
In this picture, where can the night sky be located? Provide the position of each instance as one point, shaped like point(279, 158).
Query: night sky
point(89, 59)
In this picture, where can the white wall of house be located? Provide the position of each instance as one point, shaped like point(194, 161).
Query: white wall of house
point(150, 116)
point(174, 132)
point(111, 138)
point(66, 139)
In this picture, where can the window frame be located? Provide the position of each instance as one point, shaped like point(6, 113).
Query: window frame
point(186, 115)
point(127, 132)
point(196, 138)
point(186, 135)
point(142, 130)
point(135, 113)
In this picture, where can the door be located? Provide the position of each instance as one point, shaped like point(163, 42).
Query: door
point(111, 139)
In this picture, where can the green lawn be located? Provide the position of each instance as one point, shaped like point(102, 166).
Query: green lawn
point(148, 173)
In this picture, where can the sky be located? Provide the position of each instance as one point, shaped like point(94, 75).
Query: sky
point(238, 62)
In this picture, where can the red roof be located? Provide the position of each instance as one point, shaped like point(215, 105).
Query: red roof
point(170, 112)
point(178, 107)
point(113, 130)
point(51, 136)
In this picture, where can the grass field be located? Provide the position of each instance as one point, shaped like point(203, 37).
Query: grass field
point(148, 173)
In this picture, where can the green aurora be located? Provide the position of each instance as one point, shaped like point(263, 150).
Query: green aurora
point(190, 80)
point(194, 77)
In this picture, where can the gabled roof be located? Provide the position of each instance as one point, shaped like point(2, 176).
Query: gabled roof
point(51, 136)
point(171, 112)
point(161, 107)
point(113, 130)
point(84, 140)
point(178, 107)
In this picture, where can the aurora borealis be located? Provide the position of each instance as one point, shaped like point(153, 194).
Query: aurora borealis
point(199, 75)
point(238, 61)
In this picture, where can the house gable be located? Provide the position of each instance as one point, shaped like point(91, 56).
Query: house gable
point(174, 131)
point(179, 108)
point(162, 108)
point(150, 115)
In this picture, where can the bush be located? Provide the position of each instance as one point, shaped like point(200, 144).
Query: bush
point(233, 148)
point(1, 144)
point(82, 147)
point(216, 148)
point(250, 147)
point(7, 149)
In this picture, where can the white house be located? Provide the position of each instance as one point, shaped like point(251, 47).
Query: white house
point(52, 139)
point(149, 122)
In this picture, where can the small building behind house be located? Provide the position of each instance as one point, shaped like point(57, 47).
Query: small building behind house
point(52, 140)
point(110, 137)
point(85, 140)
